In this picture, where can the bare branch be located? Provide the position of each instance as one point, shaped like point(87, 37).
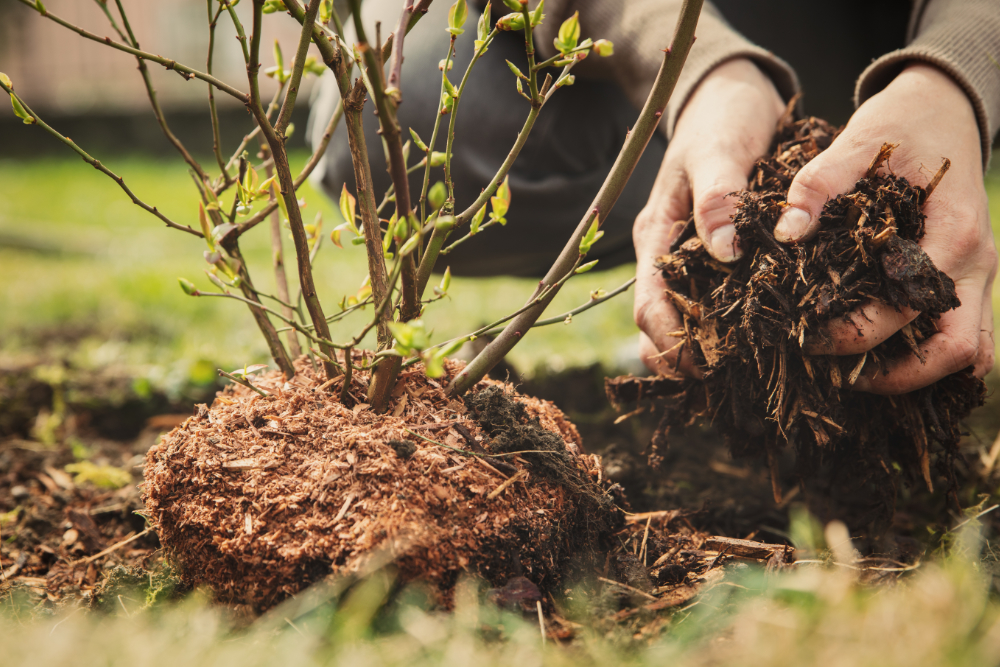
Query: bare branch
point(612, 188)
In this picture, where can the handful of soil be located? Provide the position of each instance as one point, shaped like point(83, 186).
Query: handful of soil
point(745, 325)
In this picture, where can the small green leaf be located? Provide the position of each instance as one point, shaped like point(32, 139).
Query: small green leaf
point(272, 6)
point(603, 48)
point(447, 103)
point(537, 16)
point(477, 220)
point(516, 71)
point(583, 268)
point(457, 15)
point(513, 5)
point(188, 287)
point(569, 34)
point(450, 89)
point(436, 195)
point(348, 206)
point(445, 280)
point(438, 159)
point(567, 80)
point(325, 11)
point(511, 22)
point(483, 27)
point(206, 228)
point(418, 141)
point(406, 151)
point(20, 111)
point(410, 245)
point(279, 59)
point(6, 81)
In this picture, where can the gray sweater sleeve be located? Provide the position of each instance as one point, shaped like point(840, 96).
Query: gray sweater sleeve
point(962, 38)
point(640, 30)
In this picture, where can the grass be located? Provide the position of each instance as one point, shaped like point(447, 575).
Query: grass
point(944, 614)
point(105, 267)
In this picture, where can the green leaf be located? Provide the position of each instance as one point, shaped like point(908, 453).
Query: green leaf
point(6, 81)
point(102, 476)
point(437, 158)
point(410, 245)
point(457, 15)
point(537, 16)
point(483, 27)
point(450, 89)
point(418, 141)
point(20, 111)
point(477, 220)
point(433, 365)
point(445, 280)
point(272, 6)
point(348, 205)
point(592, 236)
point(583, 268)
point(513, 5)
point(567, 80)
point(436, 195)
point(325, 11)
point(569, 34)
point(453, 347)
point(447, 103)
point(406, 151)
point(188, 287)
point(511, 22)
point(279, 59)
point(603, 48)
point(206, 228)
point(516, 71)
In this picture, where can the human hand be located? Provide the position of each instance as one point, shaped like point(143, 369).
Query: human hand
point(725, 126)
point(930, 117)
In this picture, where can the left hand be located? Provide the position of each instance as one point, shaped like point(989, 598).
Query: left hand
point(930, 117)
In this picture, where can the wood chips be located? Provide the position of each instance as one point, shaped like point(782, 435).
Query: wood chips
point(258, 497)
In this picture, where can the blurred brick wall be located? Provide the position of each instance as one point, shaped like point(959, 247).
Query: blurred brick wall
point(57, 71)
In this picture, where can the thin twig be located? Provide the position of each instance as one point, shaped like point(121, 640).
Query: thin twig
point(112, 548)
point(100, 167)
point(614, 184)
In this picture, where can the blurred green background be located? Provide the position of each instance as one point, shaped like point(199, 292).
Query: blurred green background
point(86, 271)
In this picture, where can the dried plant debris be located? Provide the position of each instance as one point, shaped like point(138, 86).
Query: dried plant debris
point(745, 326)
point(260, 496)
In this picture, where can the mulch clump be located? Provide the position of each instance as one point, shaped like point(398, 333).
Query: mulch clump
point(745, 325)
point(258, 497)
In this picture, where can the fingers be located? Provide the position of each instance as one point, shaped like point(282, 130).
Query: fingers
point(832, 172)
point(713, 178)
point(962, 340)
point(860, 330)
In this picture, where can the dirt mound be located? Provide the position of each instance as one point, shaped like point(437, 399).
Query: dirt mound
point(260, 496)
point(745, 325)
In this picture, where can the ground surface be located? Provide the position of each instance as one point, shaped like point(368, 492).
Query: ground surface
point(98, 347)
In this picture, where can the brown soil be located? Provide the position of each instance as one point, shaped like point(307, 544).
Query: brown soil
point(745, 325)
point(260, 496)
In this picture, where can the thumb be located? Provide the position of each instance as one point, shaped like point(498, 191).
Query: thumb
point(829, 174)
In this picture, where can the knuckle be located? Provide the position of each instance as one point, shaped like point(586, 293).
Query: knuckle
point(811, 185)
point(712, 206)
point(964, 351)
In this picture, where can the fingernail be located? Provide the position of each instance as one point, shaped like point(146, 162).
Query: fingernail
point(722, 244)
point(862, 384)
point(793, 225)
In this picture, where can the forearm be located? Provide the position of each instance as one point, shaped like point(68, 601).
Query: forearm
point(959, 37)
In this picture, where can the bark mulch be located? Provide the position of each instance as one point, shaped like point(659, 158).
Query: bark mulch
point(258, 497)
point(745, 326)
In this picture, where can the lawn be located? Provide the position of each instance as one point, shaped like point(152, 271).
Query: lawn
point(77, 256)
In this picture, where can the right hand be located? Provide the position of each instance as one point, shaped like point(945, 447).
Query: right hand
point(726, 125)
